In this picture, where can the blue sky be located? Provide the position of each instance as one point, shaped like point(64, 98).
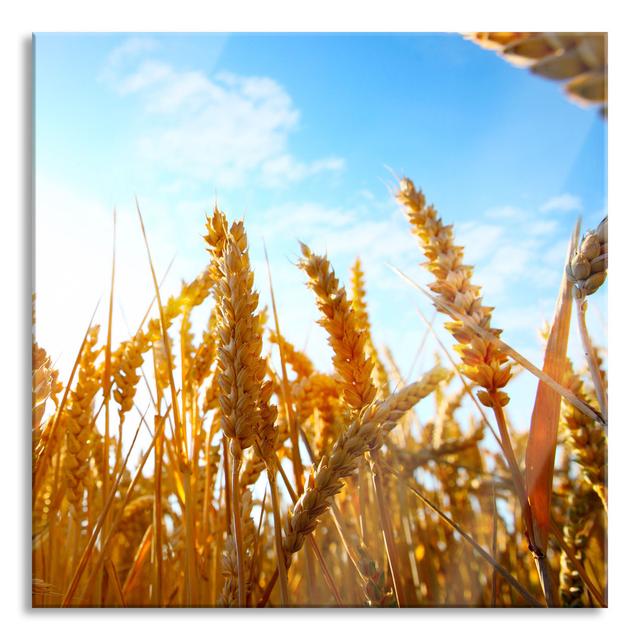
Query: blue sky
point(301, 136)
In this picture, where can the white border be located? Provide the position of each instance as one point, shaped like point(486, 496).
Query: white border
point(401, 15)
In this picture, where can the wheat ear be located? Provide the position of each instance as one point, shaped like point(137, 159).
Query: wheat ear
point(243, 394)
point(79, 422)
point(338, 319)
point(364, 434)
point(359, 306)
point(576, 537)
point(586, 439)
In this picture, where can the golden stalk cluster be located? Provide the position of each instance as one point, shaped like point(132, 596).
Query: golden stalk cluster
point(257, 479)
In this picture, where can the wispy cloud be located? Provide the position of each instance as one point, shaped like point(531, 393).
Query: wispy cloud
point(148, 74)
point(511, 255)
point(479, 239)
point(225, 129)
point(506, 212)
point(523, 318)
point(343, 232)
point(509, 264)
point(563, 203)
point(129, 50)
point(283, 169)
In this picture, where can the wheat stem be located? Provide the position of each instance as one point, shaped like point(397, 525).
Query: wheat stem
point(592, 362)
point(282, 570)
point(237, 528)
point(387, 530)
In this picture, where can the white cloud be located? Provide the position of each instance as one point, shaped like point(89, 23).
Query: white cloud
point(226, 129)
point(479, 240)
point(520, 251)
point(308, 221)
point(528, 318)
point(506, 212)
point(343, 233)
point(147, 75)
point(542, 227)
point(556, 254)
point(130, 49)
point(284, 169)
point(564, 203)
point(509, 264)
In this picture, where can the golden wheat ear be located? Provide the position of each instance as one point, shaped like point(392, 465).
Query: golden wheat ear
point(579, 60)
point(347, 340)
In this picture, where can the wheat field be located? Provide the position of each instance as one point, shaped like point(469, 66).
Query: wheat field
point(264, 481)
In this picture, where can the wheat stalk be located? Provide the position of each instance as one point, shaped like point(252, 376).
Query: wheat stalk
point(364, 434)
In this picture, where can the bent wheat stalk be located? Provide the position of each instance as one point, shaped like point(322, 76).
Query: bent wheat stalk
point(364, 434)
point(568, 395)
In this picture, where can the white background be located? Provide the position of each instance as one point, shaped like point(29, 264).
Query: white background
point(20, 19)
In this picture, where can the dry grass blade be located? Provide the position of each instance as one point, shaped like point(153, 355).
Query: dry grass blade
point(41, 462)
point(543, 432)
point(282, 569)
point(165, 337)
point(494, 544)
point(138, 562)
point(286, 387)
point(323, 566)
point(73, 585)
point(106, 380)
point(485, 556)
point(153, 299)
point(113, 576)
point(387, 529)
point(127, 496)
point(181, 439)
